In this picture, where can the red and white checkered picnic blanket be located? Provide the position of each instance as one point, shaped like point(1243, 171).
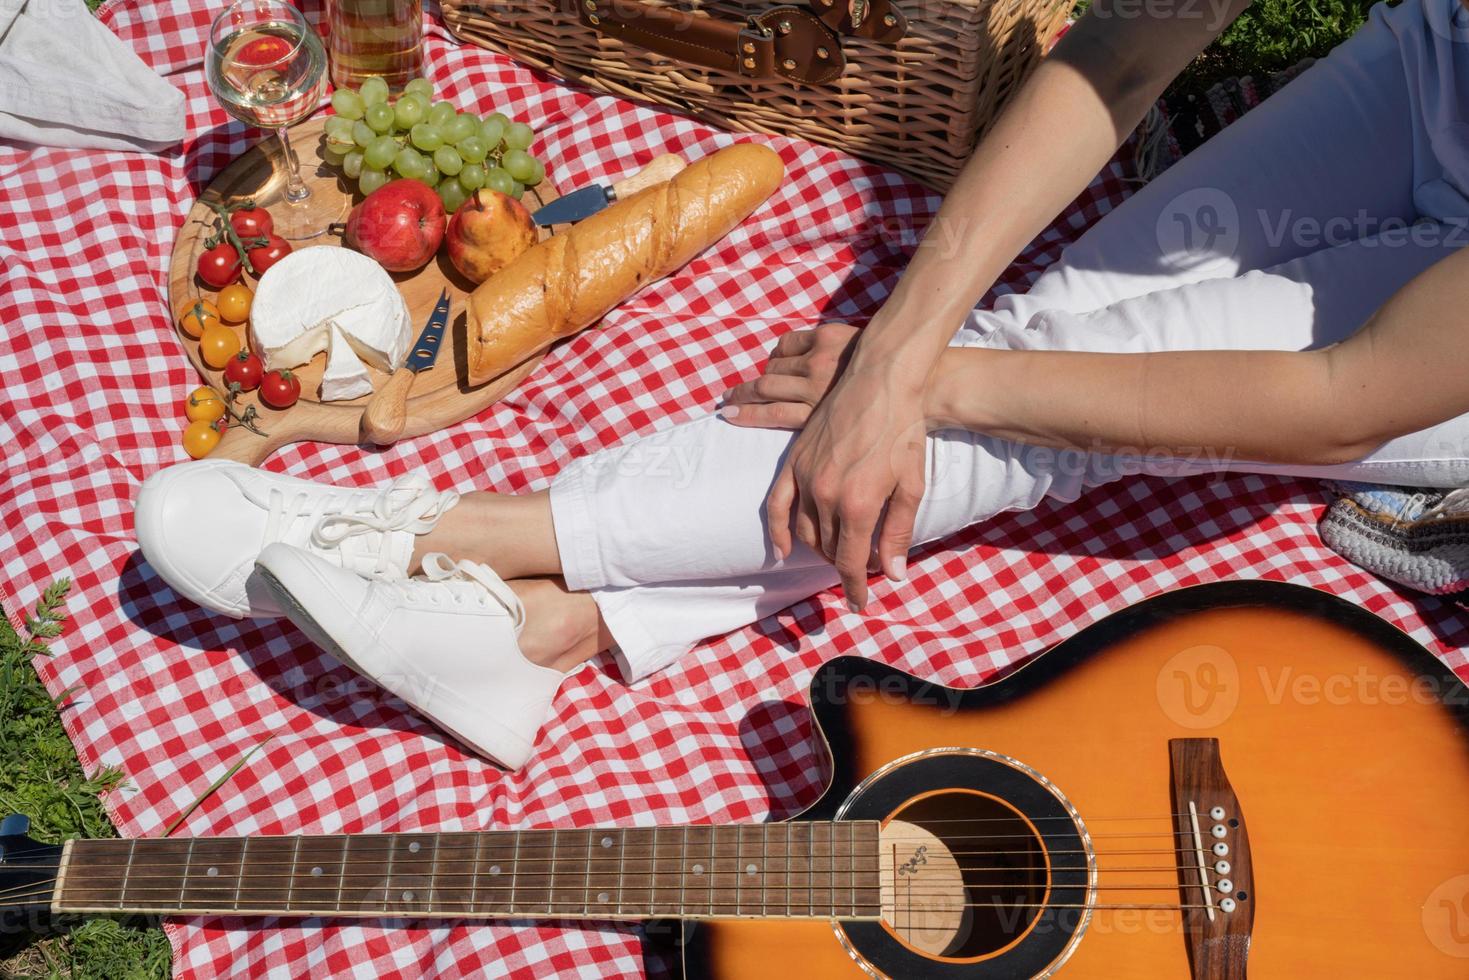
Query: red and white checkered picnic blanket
point(91, 383)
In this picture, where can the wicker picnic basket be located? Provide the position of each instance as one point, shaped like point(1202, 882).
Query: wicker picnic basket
point(906, 83)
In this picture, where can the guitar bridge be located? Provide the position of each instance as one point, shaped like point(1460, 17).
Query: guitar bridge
point(1215, 877)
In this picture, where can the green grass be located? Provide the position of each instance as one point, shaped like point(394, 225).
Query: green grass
point(40, 777)
point(1273, 35)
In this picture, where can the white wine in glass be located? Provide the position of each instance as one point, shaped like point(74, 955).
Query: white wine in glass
point(267, 67)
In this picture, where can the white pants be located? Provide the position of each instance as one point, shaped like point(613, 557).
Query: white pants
point(1285, 232)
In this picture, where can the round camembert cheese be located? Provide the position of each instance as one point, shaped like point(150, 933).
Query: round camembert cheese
point(332, 299)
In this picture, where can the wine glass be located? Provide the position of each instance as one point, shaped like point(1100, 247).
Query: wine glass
point(267, 67)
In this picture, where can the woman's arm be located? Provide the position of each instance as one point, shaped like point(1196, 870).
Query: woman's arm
point(858, 463)
point(1058, 131)
point(1407, 369)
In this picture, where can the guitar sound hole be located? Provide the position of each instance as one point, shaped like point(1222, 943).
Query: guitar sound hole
point(964, 874)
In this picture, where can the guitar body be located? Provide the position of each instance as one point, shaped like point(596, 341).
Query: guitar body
point(1342, 740)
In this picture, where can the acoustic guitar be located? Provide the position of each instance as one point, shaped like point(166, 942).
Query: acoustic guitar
point(1085, 815)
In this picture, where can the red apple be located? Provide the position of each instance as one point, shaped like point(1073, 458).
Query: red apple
point(487, 233)
point(400, 225)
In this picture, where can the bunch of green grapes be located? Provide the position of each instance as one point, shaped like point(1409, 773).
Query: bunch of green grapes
point(374, 140)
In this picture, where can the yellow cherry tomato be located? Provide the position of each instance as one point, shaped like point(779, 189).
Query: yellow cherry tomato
point(204, 405)
point(234, 302)
point(218, 345)
point(197, 316)
point(200, 438)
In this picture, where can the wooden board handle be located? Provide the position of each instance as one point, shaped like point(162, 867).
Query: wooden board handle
point(387, 411)
point(662, 168)
point(251, 448)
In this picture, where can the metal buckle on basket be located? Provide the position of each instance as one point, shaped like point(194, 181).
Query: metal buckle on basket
point(756, 43)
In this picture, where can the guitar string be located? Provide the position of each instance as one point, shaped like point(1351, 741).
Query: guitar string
point(386, 846)
point(679, 829)
point(177, 883)
point(986, 852)
point(741, 863)
point(551, 901)
point(255, 866)
point(726, 908)
point(47, 887)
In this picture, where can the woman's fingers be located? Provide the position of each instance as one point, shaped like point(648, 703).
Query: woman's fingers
point(795, 343)
point(895, 536)
point(853, 547)
point(773, 388)
point(798, 366)
point(807, 531)
point(778, 511)
point(775, 415)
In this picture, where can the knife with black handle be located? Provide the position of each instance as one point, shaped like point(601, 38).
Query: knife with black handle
point(587, 201)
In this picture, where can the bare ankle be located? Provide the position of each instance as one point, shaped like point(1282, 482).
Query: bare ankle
point(562, 629)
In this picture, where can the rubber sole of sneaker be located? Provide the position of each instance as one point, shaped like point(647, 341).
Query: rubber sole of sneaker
point(304, 621)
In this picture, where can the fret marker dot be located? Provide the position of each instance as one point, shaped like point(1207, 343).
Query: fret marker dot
point(698, 869)
point(606, 841)
point(213, 872)
point(749, 869)
point(317, 872)
point(415, 847)
point(602, 896)
point(494, 869)
point(407, 896)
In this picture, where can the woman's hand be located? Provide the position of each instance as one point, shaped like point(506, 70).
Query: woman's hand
point(860, 453)
point(803, 366)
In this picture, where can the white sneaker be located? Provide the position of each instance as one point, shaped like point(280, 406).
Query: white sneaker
point(446, 643)
point(202, 524)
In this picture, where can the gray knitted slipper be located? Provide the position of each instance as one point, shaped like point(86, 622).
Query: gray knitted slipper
point(1418, 537)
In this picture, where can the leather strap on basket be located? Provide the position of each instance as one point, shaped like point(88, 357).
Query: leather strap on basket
point(875, 19)
point(783, 42)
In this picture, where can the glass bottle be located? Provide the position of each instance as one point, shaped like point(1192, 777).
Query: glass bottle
point(382, 38)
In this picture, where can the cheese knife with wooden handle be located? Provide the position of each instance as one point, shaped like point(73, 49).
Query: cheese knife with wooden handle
point(387, 409)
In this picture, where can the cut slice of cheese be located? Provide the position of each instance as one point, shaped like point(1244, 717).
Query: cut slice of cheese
point(346, 376)
point(304, 297)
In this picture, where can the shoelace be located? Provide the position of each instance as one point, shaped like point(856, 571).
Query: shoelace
point(409, 504)
point(439, 568)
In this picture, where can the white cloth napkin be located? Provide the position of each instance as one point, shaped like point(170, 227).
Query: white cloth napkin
point(66, 80)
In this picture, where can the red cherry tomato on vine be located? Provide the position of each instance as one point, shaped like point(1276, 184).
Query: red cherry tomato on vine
point(280, 389)
point(252, 222)
point(267, 255)
point(219, 266)
point(245, 370)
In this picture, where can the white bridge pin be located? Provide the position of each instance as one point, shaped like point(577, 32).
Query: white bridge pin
point(1222, 867)
point(1227, 905)
point(1221, 849)
point(1224, 885)
point(1219, 830)
point(1217, 813)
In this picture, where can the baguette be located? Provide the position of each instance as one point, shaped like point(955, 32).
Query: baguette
point(571, 280)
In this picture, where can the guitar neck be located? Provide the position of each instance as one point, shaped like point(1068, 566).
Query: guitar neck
point(783, 870)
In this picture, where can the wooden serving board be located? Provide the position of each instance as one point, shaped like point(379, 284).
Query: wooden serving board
point(440, 396)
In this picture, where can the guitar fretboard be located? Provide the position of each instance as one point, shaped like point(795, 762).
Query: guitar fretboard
point(797, 869)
